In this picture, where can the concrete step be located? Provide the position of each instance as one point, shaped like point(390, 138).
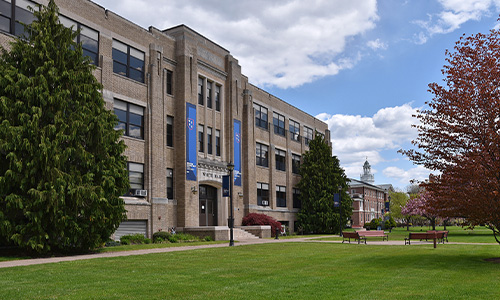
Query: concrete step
point(240, 234)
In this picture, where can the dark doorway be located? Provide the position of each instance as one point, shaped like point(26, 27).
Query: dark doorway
point(208, 205)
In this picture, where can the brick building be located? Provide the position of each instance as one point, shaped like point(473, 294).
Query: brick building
point(187, 110)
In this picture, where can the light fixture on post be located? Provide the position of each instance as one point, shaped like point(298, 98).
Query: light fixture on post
point(194, 190)
point(230, 168)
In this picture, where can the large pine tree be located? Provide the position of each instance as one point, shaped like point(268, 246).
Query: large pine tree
point(62, 167)
point(321, 176)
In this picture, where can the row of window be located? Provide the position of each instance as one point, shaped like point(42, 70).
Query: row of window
point(261, 120)
point(136, 179)
point(205, 95)
point(263, 195)
point(262, 154)
point(201, 140)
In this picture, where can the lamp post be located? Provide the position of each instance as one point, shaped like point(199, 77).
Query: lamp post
point(230, 168)
point(340, 208)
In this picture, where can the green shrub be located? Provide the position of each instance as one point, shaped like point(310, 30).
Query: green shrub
point(161, 237)
point(112, 243)
point(208, 239)
point(134, 239)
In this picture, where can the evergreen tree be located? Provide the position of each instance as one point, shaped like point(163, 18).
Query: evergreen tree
point(62, 167)
point(321, 177)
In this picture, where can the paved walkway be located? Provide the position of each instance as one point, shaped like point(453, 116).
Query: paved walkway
point(38, 261)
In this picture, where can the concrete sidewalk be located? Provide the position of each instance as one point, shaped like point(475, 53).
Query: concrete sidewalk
point(38, 261)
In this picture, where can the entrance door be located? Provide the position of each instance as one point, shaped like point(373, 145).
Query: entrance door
point(208, 205)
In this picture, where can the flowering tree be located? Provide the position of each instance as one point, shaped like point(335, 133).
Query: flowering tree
point(459, 134)
point(419, 206)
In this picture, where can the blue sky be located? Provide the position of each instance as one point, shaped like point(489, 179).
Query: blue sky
point(362, 66)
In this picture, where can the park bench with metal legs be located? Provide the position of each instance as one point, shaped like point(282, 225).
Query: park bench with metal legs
point(435, 236)
point(374, 233)
point(352, 235)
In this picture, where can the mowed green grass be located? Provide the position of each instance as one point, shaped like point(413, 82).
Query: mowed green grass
point(307, 270)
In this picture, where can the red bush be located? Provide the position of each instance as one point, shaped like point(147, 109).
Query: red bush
point(261, 219)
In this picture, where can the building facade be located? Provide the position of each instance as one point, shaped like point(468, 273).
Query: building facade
point(186, 110)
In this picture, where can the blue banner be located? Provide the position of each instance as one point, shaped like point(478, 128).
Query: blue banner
point(191, 141)
point(387, 206)
point(336, 200)
point(237, 152)
point(225, 185)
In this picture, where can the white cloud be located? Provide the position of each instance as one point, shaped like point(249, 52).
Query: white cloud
point(405, 176)
point(281, 43)
point(454, 14)
point(376, 44)
point(355, 138)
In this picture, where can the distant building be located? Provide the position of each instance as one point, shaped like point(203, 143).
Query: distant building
point(368, 199)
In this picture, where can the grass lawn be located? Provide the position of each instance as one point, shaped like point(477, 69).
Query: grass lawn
point(455, 234)
point(269, 271)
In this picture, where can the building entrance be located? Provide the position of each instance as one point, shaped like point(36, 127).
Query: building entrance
point(208, 205)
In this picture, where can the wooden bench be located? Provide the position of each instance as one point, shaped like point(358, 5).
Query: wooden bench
point(374, 233)
point(352, 235)
point(438, 235)
point(444, 237)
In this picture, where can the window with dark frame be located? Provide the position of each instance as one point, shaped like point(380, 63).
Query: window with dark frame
point(170, 78)
point(209, 94)
point(279, 124)
point(296, 198)
point(201, 143)
point(209, 140)
point(217, 97)
point(280, 196)
point(280, 157)
point(262, 194)
point(170, 184)
point(88, 38)
point(261, 153)
point(135, 176)
point(201, 93)
point(295, 164)
point(170, 131)
point(260, 116)
point(294, 128)
point(217, 142)
point(128, 61)
point(130, 119)
point(308, 134)
point(15, 12)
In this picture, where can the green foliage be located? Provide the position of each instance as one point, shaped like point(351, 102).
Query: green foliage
point(134, 239)
point(321, 176)
point(62, 167)
point(398, 200)
point(166, 237)
point(161, 236)
point(373, 224)
point(391, 223)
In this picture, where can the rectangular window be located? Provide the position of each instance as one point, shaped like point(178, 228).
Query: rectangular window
point(13, 13)
point(280, 157)
point(209, 140)
point(201, 94)
point(170, 78)
point(217, 97)
point(170, 131)
point(128, 61)
point(170, 184)
point(308, 134)
point(261, 152)
point(217, 142)
point(260, 116)
point(280, 196)
point(295, 164)
point(294, 128)
point(88, 38)
point(296, 198)
point(5, 15)
point(209, 94)
point(279, 124)
point(201, 144)
point(136, 177)
point(262, 194)
point(130, 119)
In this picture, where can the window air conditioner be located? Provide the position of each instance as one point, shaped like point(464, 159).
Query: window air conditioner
point(265, 203)
point(141, 193)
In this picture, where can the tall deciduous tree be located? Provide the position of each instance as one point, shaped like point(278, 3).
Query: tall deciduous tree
point(419, 206)
point(459, 134)
point(398, 200)
point(62, 167)
point(321, 177)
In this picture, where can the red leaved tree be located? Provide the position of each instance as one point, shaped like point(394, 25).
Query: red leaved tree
point(419, 206)
point(459, 134)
